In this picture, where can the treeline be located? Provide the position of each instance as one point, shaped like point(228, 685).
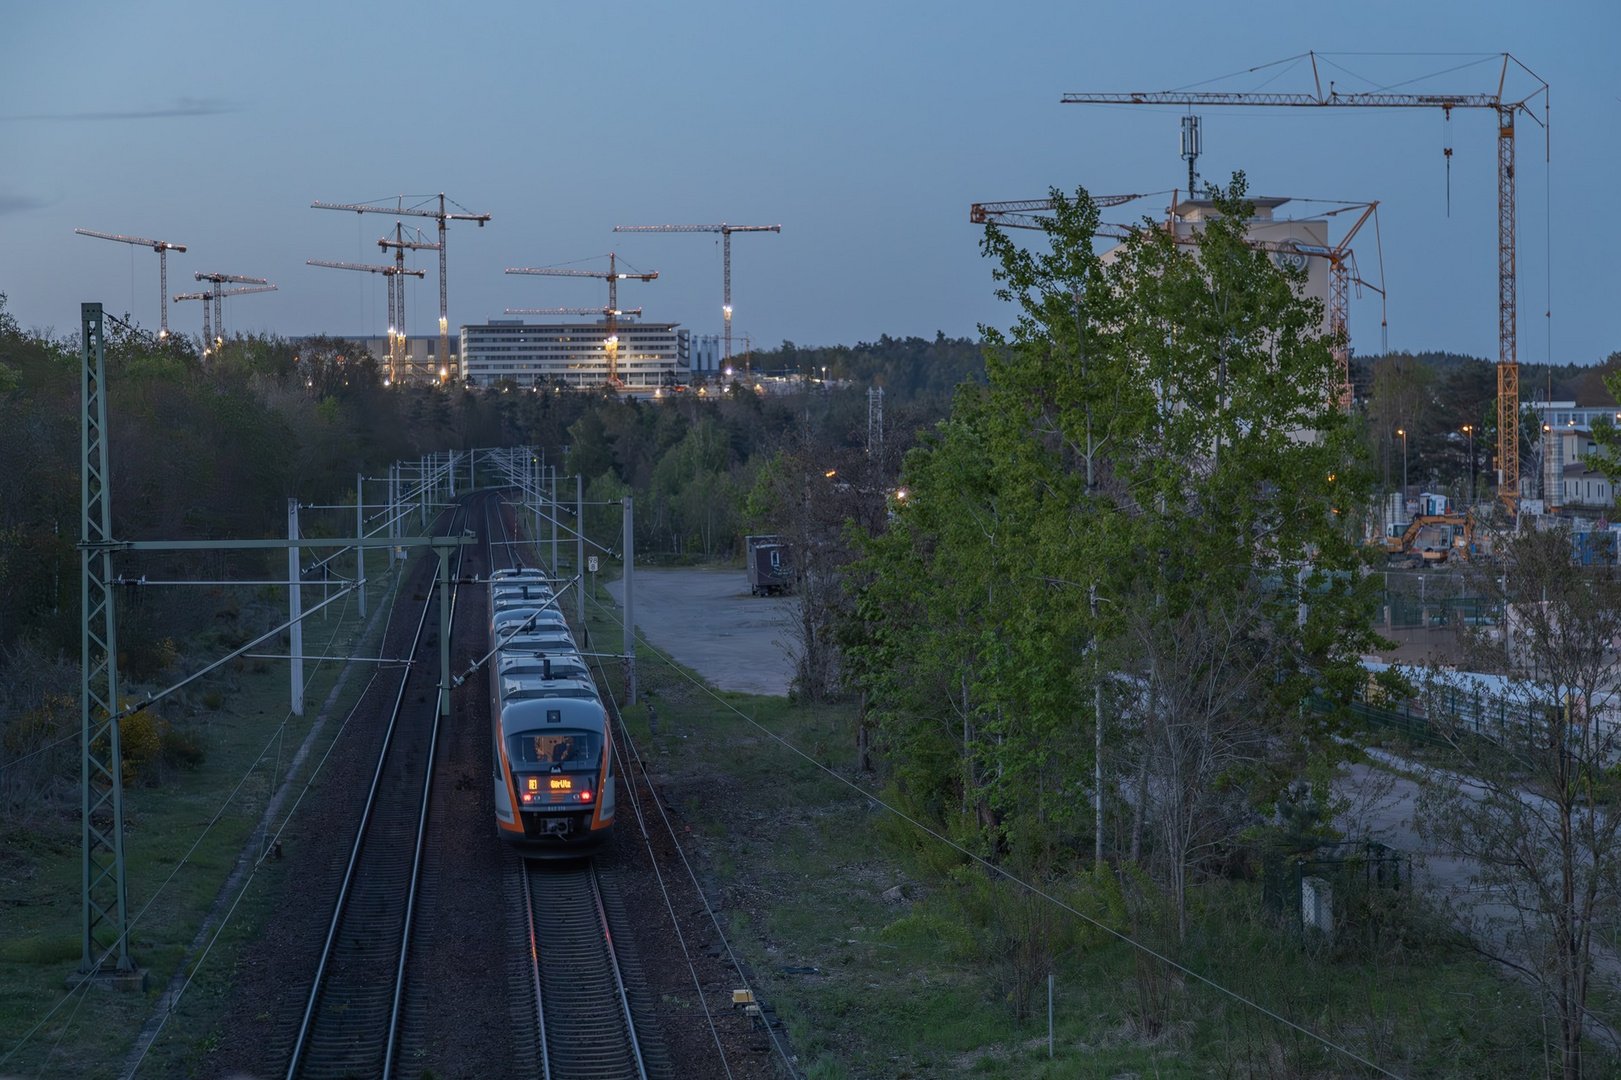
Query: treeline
point(215, 448)
point(1435, 396)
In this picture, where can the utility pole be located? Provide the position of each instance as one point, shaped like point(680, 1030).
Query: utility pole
point(630, 612)
point(295, 610)
point(101, 793)
point(360, 530)
point(579, 548)
point(553, 515)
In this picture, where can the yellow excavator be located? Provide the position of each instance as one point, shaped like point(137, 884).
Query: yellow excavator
point(1432, 539)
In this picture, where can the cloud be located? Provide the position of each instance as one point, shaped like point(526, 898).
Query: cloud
point(16, 204)
point(186, 106)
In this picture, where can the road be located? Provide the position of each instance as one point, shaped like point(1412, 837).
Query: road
point(706, 619)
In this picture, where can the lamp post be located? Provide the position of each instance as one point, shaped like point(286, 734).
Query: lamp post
point(1469, 430)
point(1403, 433)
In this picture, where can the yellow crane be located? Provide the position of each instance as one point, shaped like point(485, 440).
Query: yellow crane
point(1507, 107)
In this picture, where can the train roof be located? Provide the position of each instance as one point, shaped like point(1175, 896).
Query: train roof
point(541, 713)
point(520, 662)
point(520, 573)
point(526, 686)
point(540, 614)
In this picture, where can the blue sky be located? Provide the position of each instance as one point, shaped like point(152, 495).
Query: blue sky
point(865, 130)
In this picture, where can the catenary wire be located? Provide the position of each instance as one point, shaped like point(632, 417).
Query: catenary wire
point(1000, 871)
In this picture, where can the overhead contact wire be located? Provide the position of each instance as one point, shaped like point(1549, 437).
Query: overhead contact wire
point(1001, 872)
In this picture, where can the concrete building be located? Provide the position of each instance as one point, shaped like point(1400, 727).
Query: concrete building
point(650, 354)
point(1190, 216)
point(1567, 440)
point(706, 350)
point(421, 357)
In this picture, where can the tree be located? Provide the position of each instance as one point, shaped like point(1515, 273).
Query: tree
point(1157, 448)
point(1534, 804)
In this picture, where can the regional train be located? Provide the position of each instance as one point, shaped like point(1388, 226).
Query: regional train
point(551, 741)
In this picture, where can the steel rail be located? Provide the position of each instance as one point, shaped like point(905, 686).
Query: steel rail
point(303, 1040)
point(613, 961)
point(416, 862)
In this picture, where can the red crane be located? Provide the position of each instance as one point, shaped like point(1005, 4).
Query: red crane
point(726, 232)
point(162, 247)
point(611, 312)
point(395, 276)
point(440, 215)
point(1025, 214)
point(1507, 107)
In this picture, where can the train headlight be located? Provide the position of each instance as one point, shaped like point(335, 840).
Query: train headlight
point(527, 797)
point(585, 796)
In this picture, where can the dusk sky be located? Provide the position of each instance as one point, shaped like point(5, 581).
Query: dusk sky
point(864, 129)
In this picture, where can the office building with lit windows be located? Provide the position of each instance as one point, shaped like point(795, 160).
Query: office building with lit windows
point(650, 354)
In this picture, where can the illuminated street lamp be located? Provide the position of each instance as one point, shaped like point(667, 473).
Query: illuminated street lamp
point(1469, 430)
point(1402, 432)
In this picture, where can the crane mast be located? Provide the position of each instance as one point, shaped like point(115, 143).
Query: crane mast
point(1506, 109)
point(442, 216)
point(398, 354)
point(162, 247)
point(396, 283)
point(216, 294)
point(726, 232)
point(611, 312)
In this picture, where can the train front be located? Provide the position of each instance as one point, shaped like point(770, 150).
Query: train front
point(556, 792)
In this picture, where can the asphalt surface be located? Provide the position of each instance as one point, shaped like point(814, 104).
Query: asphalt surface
point(706, 619)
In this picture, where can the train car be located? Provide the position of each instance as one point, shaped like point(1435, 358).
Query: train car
point(551, 742)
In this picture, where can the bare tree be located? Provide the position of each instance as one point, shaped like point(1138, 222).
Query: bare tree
point(1532, 801)
point(1202, 707)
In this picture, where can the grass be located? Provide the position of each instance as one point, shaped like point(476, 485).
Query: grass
point(176, 863)
point(927, 986)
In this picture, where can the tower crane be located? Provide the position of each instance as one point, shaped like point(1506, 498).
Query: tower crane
point(1507, 107)
point(611, 312)
point(396, 332)
point(1025, 214)
point(395, 275)
point(219, 279)
point(440, 215)
point(162, 247)
point(216, 294)
point(726, 232)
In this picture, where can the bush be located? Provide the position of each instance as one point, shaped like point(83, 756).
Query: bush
point(182, 748)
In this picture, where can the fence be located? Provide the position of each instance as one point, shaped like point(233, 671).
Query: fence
point(1320, 890)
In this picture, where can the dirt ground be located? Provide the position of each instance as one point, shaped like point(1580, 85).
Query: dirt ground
point(706, 619)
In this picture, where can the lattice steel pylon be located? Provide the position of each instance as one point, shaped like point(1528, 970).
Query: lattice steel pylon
point(106, 890)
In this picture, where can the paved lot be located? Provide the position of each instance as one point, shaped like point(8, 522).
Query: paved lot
point(707, 620)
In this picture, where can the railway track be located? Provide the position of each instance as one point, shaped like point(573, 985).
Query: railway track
point(583, 1010)
point(351, 1020)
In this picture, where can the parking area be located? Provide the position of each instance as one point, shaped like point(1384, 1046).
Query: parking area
point(706, 619)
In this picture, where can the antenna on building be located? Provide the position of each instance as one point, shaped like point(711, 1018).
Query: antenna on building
point(1192, 147)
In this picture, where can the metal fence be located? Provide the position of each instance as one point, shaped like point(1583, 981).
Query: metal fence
point(1351, 870)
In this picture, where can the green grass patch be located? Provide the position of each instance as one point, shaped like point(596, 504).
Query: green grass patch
point(949, 978)
point(239, 743)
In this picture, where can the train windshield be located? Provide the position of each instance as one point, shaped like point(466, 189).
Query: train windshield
point(572, 750)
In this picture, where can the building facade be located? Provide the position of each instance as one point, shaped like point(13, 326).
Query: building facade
point(650, 354)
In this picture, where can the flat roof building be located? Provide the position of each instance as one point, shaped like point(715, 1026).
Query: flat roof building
point(650, 354)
